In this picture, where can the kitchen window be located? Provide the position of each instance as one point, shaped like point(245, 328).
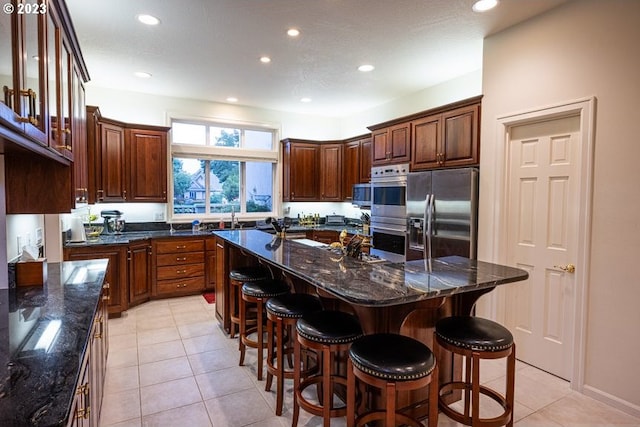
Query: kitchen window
point(219, 168)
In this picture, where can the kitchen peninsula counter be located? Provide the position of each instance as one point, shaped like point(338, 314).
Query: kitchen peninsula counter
point(39, 376)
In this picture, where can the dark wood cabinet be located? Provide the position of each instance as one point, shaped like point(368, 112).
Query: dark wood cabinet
point(222, 283)
point(139, 269)
point(210, 264)
point(365, 160)
point(147, 165)
point(179, 267)
point(391, 144)
point(312, 171)
point(300, 169)
point(116, 275)
point(449, 139)
point(128, 161)
point(331, 175)
point(357, 164)
point(323, 236)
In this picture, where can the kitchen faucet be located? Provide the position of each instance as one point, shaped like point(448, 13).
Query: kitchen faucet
point(233, 218)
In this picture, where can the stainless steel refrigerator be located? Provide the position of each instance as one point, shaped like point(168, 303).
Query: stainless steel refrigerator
point(442, 213)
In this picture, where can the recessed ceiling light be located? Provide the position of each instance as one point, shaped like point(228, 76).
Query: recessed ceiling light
point(305, 99)
point(365, 68)
point(232, 99)
point(142, 74)
point(484, 5)
point(148, 19)
point(293, 32)
point(265, 59)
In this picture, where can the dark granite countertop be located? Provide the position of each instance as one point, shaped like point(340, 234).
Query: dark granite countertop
point(129, 237)
point(37, 385)
point(372, 284)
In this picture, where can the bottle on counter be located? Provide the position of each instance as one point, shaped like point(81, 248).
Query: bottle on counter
point(195, 226)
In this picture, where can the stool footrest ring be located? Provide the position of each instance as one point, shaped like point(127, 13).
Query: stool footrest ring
point(467, 419)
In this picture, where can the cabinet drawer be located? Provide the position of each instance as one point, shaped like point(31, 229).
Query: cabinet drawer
point(180, 258)
point(178, 246)
point(178, 271)
point(187, 285)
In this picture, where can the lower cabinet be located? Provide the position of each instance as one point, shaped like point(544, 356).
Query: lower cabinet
point(222, 279)
point(116, 276)
point(139, 269)
point(323, 236)
point(179, 267)
point(87, 402)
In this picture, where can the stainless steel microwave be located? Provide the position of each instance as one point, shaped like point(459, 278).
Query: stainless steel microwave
point(362, 195)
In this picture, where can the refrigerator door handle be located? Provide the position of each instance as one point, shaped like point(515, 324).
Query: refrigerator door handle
point(428, 212)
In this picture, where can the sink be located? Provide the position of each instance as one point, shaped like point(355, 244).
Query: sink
point(310, 242)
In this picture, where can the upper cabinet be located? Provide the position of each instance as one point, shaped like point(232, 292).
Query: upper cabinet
point(391, 144)
point(446, 139)
point(42, 127)
point(127, 162)
point(300, 168)
point(357, 163)
point(446, 136)
point(331, 178)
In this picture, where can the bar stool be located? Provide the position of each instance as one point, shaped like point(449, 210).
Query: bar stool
point(477, 339)
point(391, 363)
point(237, 277)
point(327, 333)
point(257, 293)
point(282, 314)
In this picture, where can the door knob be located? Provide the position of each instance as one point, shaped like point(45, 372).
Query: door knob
point(569, 268)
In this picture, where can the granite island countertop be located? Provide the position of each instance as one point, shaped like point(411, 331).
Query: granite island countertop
point(38, 382)
point(372, 284)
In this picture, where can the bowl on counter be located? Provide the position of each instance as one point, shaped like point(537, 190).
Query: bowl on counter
point(93, 232)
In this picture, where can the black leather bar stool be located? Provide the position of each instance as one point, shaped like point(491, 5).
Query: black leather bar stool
point(477, 339)
point(257, 293)
point(237, 277)
point(327, 333)
point(391, 363)
point(282, 314)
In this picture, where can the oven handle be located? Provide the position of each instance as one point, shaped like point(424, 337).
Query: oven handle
point(394, 231)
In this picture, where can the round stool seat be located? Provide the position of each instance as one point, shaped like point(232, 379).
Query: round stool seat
point(293, 306)
point(265, 289)
point(248, 274)
point(392, 357)
point(329, 327)
point(474, 333)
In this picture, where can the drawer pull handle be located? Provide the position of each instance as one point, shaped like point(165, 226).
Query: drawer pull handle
point(184, 258)
point(181, 271)
point(181, 247)
point(181, 285)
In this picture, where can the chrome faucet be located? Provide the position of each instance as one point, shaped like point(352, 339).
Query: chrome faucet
point(233, 218)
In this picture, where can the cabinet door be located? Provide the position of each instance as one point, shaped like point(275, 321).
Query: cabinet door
point(426, 142)
point(111, 187)
point(303, 172)
point(365, 160)
point(8, 83)
point(399, 142)
point(222, 275)
point(147, 166)
point(352, 160)
point(139, 272)
point(331, 180)
point(80, 180)
point(460, 139)
point(115, 277)
point(380, 150)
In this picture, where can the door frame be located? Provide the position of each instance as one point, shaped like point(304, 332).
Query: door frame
point(586, 109)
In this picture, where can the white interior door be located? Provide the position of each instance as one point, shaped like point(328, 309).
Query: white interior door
point(542, 234)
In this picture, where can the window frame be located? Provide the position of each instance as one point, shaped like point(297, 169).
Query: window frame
point(212, 152)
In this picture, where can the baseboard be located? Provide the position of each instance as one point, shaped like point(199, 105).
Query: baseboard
point(611, 400)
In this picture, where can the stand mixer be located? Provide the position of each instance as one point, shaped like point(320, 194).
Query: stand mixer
point(113, 224)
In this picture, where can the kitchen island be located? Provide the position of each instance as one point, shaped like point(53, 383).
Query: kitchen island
point(53, 349)
point(403, 298)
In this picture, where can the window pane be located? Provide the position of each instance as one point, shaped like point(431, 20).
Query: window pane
point(184, 133)
point(259, 140)
point(225, 186)
point(224, 137)
point(259, 178)
point(188, 186)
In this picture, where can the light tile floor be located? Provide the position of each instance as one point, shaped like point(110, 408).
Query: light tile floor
point(170, 365)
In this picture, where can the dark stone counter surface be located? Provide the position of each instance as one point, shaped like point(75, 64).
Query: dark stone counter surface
point(128, 237)
point(37, 384)
point(372, 284)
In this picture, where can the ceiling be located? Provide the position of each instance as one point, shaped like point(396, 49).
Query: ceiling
point(210, 49)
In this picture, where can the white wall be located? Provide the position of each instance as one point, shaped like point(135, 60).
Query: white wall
point(581, 49)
